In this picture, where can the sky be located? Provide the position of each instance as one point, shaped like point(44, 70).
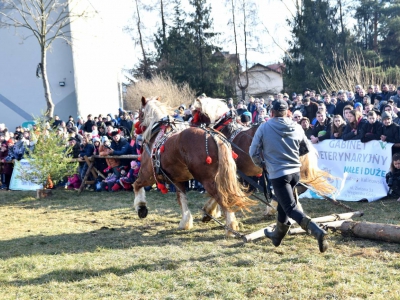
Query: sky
point(272, 15)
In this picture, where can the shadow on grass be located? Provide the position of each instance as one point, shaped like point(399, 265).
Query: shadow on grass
point(106, 238)
point(75, 275)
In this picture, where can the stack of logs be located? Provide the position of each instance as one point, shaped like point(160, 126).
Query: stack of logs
point(344, 223)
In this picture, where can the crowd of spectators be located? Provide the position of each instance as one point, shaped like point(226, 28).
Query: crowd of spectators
point(362, 114)
point(365, 115)
point(96, 135)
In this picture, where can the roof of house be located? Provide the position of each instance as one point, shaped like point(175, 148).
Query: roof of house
point(278, 67)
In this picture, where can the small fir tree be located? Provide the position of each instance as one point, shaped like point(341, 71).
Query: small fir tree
point(49, 159)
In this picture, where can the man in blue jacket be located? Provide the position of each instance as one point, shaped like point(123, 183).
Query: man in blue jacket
point(119, 145)
point(276, 147)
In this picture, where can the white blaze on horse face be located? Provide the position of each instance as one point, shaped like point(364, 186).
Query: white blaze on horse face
point(187, 219)
point(140, 198)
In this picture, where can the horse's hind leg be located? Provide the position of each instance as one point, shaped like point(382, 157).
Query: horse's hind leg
point(186, 222)
point(229, 216)
point(211, 208)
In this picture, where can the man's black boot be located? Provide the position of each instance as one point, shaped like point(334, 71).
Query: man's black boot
point(277, 234)
point(312, 228)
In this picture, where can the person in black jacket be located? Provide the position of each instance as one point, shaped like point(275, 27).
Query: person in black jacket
point(76, 147)
point(309, 109)
point(354, 130)
point(372, 129)
point(126, 122)
point(88, 126)
point(119, 145)
point(322, 129)
point(393, 177)
point(390, 130)
point(87, 149)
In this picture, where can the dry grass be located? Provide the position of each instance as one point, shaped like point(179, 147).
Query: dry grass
point(94, 246)
point(160, 85)
point(346, 75)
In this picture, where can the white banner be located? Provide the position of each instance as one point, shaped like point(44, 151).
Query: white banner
point(17, 184)
point(363, 166)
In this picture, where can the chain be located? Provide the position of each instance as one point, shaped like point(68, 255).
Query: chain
point(335, 202)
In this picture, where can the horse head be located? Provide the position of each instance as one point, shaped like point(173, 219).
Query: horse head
point(211, 108)
point(152, 111)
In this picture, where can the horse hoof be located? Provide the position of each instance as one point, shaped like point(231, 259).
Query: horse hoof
point(206, 219)
point(142, 212)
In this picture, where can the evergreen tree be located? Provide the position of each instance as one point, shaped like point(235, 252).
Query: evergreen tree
point(316, 40)
point(186, 53)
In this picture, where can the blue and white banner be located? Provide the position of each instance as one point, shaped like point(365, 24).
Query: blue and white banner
point(17, 184)
point(362, 167)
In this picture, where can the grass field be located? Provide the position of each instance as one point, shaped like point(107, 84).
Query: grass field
point(94, 246)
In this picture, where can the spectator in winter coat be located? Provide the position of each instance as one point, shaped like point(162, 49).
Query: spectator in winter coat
point(88, 126)
point(390, 130)
point(310, 109)
point(396, 98)
point(305, 124)
point(5, 168)
point(338, 126)
point(341, 103)
point(330, 107)
point(126, 122)
point(87, 149)
point(75, 147)
point(372, 129)
point(105, 150)
point(322, 129)
point(354, 130)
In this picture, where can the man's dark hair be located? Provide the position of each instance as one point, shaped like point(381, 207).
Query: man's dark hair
point(280, 114)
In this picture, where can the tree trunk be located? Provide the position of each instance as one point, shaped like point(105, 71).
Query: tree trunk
point(47, 93)
point(375, 45)
point(343, 31)
point(373, 231)
point(164, 33)
point(145, 66)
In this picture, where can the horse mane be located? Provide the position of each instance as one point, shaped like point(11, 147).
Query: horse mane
point(153, 111)
point(212, 107)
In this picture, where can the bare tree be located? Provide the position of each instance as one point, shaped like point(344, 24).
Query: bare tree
point(46, 20)
point(242, 86)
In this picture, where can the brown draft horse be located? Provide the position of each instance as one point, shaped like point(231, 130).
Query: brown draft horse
point(215, 112)
point(186, 154)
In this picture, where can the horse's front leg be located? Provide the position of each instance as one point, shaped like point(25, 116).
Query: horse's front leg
point(140, 202)
point(186, 222)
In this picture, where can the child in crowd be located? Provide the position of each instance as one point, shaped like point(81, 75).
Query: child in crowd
point(372, 129)
point(393, 177)
point(5, 168)
point(338, 126)
point(354, 130)
point(127, 181)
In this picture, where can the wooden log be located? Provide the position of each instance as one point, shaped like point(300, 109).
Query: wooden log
point(373, 231)
point(260, 233)
point(336, 217)
point(255, 235)
point(326, 225)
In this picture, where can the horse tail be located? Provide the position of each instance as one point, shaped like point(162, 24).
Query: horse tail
point(229, 190)
point(313, 176)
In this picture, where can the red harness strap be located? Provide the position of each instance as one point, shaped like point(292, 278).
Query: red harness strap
point(224, 124)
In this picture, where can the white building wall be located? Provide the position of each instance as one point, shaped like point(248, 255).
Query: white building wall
point(90, 68)
point(97, 59)
point(21, 92)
